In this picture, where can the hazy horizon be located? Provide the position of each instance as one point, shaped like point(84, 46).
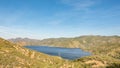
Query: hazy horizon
point(41, 19)
point(57, 37)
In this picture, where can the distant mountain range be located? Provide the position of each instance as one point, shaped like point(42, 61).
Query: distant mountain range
point(77, 42)
point(24, 41)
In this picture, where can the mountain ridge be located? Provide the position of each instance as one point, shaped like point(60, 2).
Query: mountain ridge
point(75, 42)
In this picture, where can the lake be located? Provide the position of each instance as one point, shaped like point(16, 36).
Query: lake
point(65, 53)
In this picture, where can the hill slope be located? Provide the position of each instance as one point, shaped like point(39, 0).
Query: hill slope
point(105, 49)
point(15, 56)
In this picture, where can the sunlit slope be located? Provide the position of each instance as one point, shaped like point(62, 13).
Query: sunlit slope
point(14, 56)
point(105, 49)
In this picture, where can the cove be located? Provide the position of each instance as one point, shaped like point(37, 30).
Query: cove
point(65, 53)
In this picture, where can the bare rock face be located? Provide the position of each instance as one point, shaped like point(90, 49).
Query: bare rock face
point(32, 55)
point(95, 63)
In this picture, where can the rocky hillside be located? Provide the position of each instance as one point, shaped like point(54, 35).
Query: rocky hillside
point(15, 56)
point(105, 50)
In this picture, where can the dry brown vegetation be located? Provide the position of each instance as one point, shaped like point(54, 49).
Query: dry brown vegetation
point(105, 53)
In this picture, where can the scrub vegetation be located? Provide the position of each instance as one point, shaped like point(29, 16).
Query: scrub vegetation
point(105, 53)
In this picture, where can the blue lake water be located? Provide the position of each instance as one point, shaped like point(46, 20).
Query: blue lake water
point(66, 53)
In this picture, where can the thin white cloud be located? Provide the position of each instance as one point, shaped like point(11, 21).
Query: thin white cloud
point(77, 8)
point(79, 4)
point(10, 17)
point(55, 22)
point(10, 32)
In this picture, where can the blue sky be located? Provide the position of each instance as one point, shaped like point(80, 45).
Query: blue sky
point(40, 19)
